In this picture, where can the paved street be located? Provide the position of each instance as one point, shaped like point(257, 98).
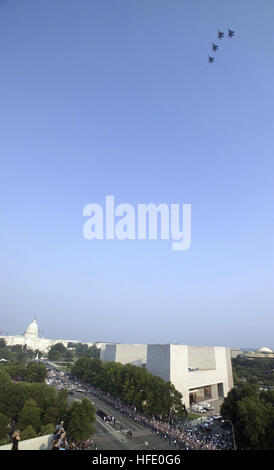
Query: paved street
point(108, 437)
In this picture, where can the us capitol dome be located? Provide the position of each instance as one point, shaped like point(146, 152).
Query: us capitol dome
point(32, 330)
point(30, 339)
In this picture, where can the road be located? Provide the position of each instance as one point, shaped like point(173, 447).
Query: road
point(114, 437)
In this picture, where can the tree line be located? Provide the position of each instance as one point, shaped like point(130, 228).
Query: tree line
point(59, 352)
point(35, 409)
point(16, 353)
point(252, 415)
point(134, 385)
point(254, 370)
point(26, 372)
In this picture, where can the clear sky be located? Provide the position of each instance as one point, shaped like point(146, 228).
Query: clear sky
point(116, 97)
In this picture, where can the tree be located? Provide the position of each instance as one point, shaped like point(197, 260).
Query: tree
point(252, 416)
point(4, 377)
point(59, 352)
point(47, 429)
point(4, 422)
point(12, 399)
point(251, 423)
point(36, 372)
point(30, 415)
point(135, 385)
point(28, 433)
point(80, 419)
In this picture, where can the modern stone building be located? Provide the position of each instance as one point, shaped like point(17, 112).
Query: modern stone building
point(135, 354)
point(200, 373)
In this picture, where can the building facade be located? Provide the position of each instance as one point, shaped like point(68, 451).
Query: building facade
point(200, 373)
point(30, 339)
point(135, 354)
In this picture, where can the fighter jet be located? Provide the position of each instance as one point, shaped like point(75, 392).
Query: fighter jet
point(214, 47)
point(230, 33)
point(220, 34)
point(211, 59)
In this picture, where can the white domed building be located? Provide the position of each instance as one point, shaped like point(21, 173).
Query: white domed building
point(265, 350)
point(32, 330)
point(31, 339)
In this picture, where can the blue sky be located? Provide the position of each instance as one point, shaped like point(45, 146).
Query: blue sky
point(103, 97)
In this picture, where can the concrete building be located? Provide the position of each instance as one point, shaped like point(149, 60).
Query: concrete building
point(263, 352)
point(135, 354)
point(201, 374)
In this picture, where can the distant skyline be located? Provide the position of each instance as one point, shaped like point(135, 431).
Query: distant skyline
point(117, 98)
point(42, 336)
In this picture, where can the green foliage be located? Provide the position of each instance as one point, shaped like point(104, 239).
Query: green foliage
point(80, 419)
point(15, 353)
point(36, 372)
point(4, 422)
point(135, 385)
point(30, 415)
point(30, 372)
point(37, 407)
point(12, 398)
point(4, 377)
point(254, 370)
point(53, 404)
point(267, 396)
point(28, 433)
point(58, 352)
point(16, 372)
point(47, 429)
point(83, 350)
point(252, 416)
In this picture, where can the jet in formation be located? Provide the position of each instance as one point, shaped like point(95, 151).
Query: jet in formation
point(215, 47)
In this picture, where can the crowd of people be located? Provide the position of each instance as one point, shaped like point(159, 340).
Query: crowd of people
point(61, 441)
point(180, 434)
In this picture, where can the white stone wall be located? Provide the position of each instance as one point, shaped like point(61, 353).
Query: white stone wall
point(202, 357)
point(135, 354)
point(37, 443)
point(171, 362)
point(158, 360)
point(179, 370)
point(108, 353)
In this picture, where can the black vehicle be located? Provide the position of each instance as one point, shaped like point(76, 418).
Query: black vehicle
point(103, 415)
